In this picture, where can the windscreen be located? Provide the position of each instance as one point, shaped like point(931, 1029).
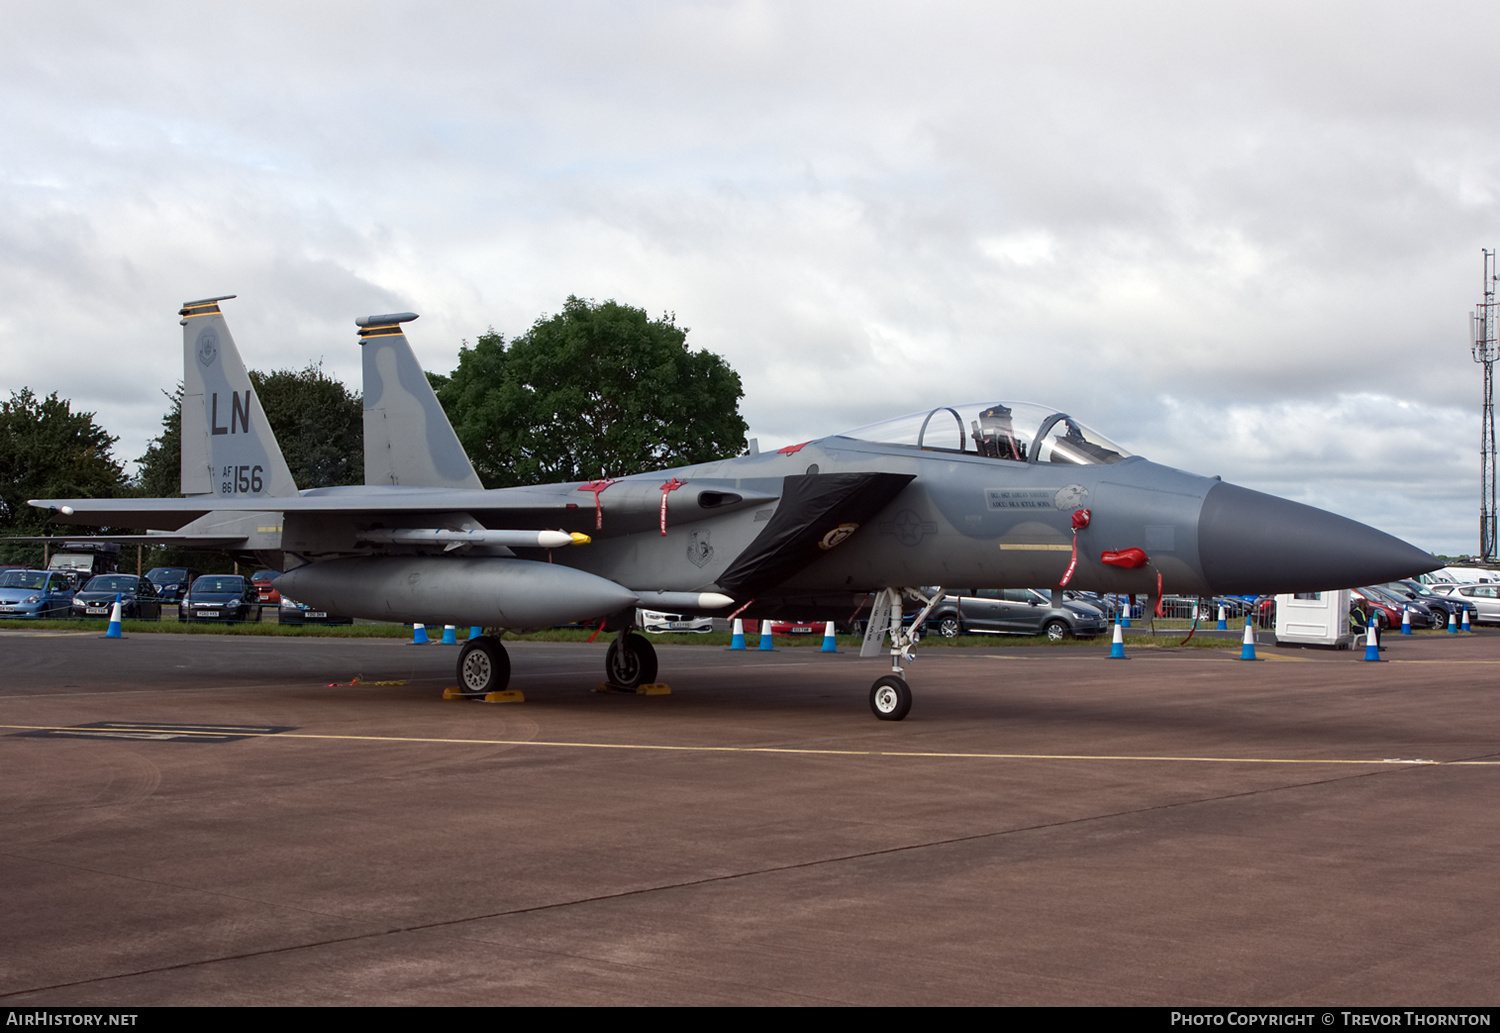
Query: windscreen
point(110, 583)
point(210, 583)
point(1018, 432)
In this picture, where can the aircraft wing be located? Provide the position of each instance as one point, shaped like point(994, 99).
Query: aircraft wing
point(623, 506)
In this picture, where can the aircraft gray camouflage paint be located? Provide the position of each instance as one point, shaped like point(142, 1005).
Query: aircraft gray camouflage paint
point(995, 495)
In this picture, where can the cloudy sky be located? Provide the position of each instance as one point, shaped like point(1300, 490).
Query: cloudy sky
point(1241, 239)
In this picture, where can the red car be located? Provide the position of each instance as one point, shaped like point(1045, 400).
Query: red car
point(796, 628)
point(262, 582)
point(1386, 615)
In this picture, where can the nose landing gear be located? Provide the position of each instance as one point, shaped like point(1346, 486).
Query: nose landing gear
point(890, 696)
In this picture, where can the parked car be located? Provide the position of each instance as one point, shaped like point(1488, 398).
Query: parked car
point(35, 594)
point(138, 598)
point(262, 579)
point(86, 559)
point(1105, 604)
point(220, 597)
point(290, 611)
point(797, 628)
point(1422, 615)
point(1013, 611)
point(1421, 593)
point(1386, 613)
point(661, 623)
point(1485, 599)
point(172, 582)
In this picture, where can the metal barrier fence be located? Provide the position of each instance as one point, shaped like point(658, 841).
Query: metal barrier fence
point(1179, 614)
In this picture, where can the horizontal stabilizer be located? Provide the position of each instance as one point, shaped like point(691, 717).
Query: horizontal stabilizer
point(194, 541)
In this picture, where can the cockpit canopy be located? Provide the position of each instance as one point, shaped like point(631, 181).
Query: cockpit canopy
point(1017, 431)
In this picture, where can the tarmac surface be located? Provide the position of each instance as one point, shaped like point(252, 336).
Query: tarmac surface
point(1047, 827)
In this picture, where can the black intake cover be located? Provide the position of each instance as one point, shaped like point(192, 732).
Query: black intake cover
point(811, 506)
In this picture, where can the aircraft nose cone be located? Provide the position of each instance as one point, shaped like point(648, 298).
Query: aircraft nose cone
point(1250, 543)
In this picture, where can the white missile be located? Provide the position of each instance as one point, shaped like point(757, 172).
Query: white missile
point(689, 602)
point(451, 540)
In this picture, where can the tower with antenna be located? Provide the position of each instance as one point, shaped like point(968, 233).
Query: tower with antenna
point(1484, 344)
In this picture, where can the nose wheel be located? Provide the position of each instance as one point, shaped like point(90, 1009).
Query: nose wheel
point(890, 698)
point(483, 667)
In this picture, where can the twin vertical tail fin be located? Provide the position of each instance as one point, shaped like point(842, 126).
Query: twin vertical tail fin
point(227, 445)
point(408, 439)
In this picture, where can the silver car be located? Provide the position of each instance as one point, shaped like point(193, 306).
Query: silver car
point(1483, 599)
point(1013, 611)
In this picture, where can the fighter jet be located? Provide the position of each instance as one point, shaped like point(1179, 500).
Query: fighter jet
point(872, 521)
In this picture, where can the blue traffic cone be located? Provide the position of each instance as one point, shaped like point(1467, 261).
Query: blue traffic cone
point(1126, 619)
point(419, 634)
point(1453, 622)
point(829, 646)
point(113, 631)
point(1247, 648)
point(1372, 651)
point(765, 635)
point(1117, 645)
point(737, 640)
point(1223, 622)
point(450, 635)
point(1406, 620)
point(475, 632)
point(1466, 619)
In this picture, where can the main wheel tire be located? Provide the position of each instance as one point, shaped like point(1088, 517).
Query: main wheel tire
point(949, 627)
point(483, 667)
point(890, 698)
point(630, 662)
point(1057, 631)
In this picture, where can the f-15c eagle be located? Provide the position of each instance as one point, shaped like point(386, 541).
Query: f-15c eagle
point(995, 494)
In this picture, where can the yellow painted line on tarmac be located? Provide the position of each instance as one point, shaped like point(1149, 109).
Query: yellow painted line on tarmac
point(803, 751)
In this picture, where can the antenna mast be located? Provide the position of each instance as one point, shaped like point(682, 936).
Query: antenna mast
point(1485, 346)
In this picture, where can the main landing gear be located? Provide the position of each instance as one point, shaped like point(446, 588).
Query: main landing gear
point(890, 696)
point(483, 667)
point(631, 661)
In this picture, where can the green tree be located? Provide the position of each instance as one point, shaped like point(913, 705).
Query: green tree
point(318, 422)
point(597, 390)
point(49, 451)
point(158, 473)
